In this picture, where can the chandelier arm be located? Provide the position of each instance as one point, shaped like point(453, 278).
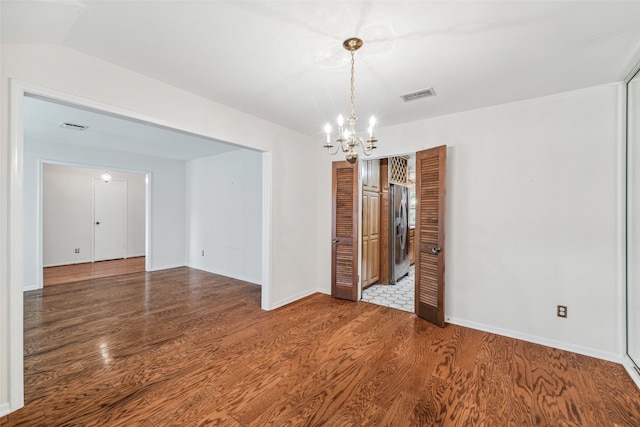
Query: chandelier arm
point(329, 147)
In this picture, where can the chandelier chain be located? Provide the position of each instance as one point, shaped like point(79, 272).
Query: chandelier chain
point(353, 62)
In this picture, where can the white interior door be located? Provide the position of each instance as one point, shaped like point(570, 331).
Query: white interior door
point(109, 220)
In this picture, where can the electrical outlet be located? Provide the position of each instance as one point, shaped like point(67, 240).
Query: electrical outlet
point(77, 250)
point(203, 252)
point(562, 311)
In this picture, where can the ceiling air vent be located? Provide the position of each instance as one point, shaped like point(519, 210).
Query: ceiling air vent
point(418, 94)
point(73, 126)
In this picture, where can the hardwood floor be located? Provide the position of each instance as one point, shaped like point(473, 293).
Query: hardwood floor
point(183, 347)
point(91, 270)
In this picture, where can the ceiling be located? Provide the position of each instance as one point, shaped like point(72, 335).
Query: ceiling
point(283, 60)
point(43, 119)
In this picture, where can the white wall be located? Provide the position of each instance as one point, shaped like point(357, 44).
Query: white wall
point(168, 201)
point(136, 207)
point(225, 214)
point(67, 216)
point(67, 209)
point(633, 224)
point(79, 78)
point(534, 216)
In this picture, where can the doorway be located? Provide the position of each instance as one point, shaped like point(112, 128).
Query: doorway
point(24, 177)
point(429, 250)
point(388, 217)
point(87, 220)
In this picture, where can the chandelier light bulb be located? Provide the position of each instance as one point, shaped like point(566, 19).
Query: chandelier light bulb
point(372, 121)
point(327, 130)
point(340, 120)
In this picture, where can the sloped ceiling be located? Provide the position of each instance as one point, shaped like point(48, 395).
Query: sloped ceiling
point(283, 60)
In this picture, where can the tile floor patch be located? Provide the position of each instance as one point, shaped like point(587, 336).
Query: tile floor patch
point(398, 296)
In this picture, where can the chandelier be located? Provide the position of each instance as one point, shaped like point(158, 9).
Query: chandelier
point(347, 139)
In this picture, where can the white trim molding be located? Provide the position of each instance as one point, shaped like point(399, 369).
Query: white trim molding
point(15, 243)
point(293, 298)
point(266, 230)
point(611, 357)
point(631, 370)
point(5, 409)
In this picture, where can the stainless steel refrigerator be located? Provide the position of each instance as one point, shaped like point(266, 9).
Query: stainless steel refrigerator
point(398, 232)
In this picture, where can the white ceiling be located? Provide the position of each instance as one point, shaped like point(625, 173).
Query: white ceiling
point(283, 60)
point(42, 120)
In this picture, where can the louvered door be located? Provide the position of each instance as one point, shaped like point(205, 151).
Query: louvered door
point(429, 234)
point(344, 247)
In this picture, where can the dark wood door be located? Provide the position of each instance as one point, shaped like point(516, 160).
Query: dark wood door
point(430, 232)
point(344, 246)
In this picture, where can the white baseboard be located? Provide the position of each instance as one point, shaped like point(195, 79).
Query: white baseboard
point(5, 409)
point(294, 298)
point(630, 367)
point(586, 351)
point(136, 256)
point(71, 262)
point(26, 288)
point(166, 267)
point(248, 279)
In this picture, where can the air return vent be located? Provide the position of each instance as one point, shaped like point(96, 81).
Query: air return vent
point(73, 126)
point(424, 93)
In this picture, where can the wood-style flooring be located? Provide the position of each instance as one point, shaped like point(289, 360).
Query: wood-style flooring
point(183, 347)
point(91, 270)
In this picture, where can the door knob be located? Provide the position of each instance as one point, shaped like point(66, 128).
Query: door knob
point(435, 250)
point(335, 240)
point(97, 222)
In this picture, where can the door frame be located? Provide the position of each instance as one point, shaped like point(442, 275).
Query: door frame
point(40, 214)
point(14, 222)
point(381, 157)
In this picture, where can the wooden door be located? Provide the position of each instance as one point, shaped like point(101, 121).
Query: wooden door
point(370, 269)
point(430, 233)
point(373, 212)
point(344, 246)
point(384, 222)
point(364, 268)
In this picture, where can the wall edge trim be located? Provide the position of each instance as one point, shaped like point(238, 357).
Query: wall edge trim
point(585, 351)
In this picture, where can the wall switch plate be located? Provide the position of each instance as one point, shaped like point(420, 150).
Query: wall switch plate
point(77, 250)
point(562, 311)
